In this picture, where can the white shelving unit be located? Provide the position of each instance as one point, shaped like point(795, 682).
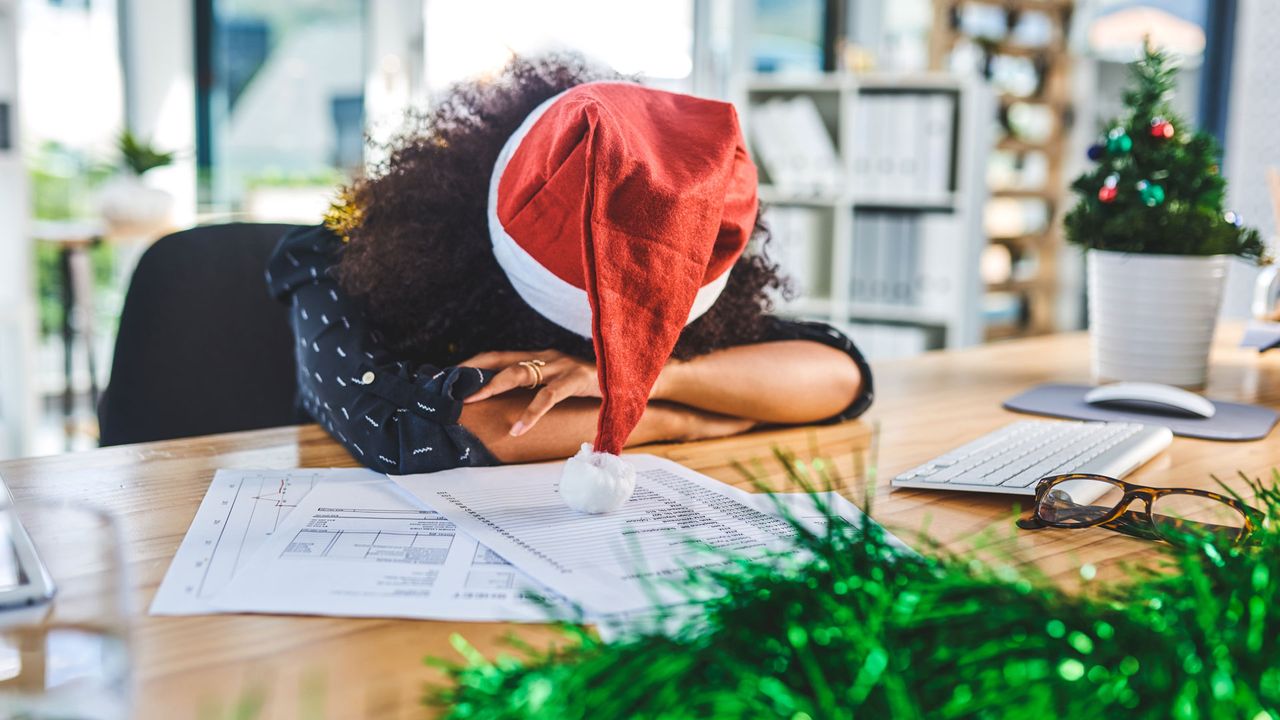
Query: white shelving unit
point(947, 238)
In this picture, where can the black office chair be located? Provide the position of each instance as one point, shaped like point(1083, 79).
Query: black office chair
point(202, 347)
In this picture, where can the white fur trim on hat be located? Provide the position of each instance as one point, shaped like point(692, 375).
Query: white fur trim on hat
point(553, 298)
point(595, 482)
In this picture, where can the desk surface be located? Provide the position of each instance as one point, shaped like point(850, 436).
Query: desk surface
point(373, 668)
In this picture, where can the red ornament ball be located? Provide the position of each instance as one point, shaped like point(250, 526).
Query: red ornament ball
point(1162, 129)
point(1107, 193)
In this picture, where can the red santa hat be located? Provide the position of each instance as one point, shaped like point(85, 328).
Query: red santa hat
point(617, 211)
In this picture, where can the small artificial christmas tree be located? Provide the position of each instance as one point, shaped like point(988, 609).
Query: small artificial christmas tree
point(1156, 186)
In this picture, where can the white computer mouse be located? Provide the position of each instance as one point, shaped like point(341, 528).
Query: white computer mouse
point(1151, 397)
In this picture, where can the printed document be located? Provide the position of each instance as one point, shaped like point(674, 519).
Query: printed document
point(348, 542)
point(239, 513)
point(371, 550)
point(677, 520)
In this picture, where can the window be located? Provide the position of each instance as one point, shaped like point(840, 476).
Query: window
point(654, 38)
point(280, 107)
point(787, 36)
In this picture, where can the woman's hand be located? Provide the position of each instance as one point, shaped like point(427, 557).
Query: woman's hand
point(563, 377)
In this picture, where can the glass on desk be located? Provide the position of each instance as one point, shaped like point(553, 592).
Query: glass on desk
point(67, 658)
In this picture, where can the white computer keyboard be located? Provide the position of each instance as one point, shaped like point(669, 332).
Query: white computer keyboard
point(1013, 458)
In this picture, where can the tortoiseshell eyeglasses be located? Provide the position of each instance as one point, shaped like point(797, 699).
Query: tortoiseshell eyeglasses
point(1081, 500)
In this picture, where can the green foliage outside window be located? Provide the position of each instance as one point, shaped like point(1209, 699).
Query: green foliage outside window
point(61, 184)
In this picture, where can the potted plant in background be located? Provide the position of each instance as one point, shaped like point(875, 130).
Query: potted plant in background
point(1158, 239)
point(130, 208)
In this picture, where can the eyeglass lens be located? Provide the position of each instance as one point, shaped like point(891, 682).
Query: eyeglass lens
point(1080, 501)
point(1181, 514)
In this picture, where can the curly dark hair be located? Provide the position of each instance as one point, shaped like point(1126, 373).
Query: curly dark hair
point(420, 257)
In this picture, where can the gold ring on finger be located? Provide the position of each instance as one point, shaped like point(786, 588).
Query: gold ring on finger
point(534, 366)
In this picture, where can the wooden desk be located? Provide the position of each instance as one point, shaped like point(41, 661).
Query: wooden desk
point(373, 668)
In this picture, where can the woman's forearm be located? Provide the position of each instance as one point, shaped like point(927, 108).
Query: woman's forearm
point(721, 393)
point(789, 381)
point(570, 423)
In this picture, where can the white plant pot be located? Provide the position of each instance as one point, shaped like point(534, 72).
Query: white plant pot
point(133, 209)
point(1152, 317)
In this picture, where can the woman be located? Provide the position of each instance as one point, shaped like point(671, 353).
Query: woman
point(419, 350)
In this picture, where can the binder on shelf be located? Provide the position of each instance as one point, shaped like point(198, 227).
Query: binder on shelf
point(911, 263)
point(900, 292)
point(869, 263)
point(797, 244)
point(859, 276)
point(884, 259)
point(885, 255)
point(818, 150)
point(907, 148)
point(939, 113)
point(862, 145)
point(902, 147)
point(793, 144)
point(936, 289)
point(883, 137)
point(771, 145)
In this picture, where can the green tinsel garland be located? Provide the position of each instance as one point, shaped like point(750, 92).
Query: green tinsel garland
point(859, 630)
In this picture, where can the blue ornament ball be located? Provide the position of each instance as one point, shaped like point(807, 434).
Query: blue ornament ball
point(1233, 217)
point(1095, 152)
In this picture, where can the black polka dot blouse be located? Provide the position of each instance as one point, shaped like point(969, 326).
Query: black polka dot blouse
point(393, 416)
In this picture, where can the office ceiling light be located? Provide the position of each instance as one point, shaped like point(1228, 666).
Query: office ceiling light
point(1119, 35)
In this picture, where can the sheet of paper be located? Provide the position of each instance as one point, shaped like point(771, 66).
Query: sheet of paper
point(240, 511)
point(621, 561)
point(371, 550)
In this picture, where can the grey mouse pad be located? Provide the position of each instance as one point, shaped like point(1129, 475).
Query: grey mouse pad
point(1232, 421)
